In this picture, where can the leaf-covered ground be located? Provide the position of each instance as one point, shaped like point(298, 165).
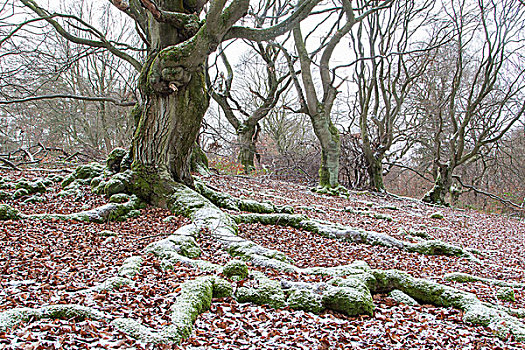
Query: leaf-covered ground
point(47, 262)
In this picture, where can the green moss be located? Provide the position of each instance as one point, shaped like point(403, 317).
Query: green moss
point(119, 198)
point(5, 195)
point(436, 247)
point(130, 267)
point(305, 299)
point(268, 292)
point(9, 213)
point(31, 186)
point(403, 298)
point(107, 233)
point(114, 159)
point(506, 293)
point(22, 192)
point(88, 171)
point(221, 288)
point(437, 215)
point(349, 301)
point(35, 199)
point(235, 269)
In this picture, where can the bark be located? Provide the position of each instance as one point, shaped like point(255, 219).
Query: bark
point(442, 184)
point(330, 142)
point(375, 171)
point(247, 137)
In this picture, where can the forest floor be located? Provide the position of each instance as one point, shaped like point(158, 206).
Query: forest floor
point(44, 262)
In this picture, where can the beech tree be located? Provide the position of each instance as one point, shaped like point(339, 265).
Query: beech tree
point(472, 93)
point(388, 62)
point(172, 83)
point(318, 104)
point(245, 119)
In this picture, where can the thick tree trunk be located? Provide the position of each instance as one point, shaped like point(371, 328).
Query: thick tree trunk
point(175, 101)
point(375, 172)
point(442, 184)
point(330, 141)
point(246, 138)
point(168, 129)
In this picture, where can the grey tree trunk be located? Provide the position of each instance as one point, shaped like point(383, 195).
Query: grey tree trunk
point(330, 142)
point(442, 184)
point(246, 136)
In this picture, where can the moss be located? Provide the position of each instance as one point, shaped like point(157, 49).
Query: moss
point(31, 186)
point(465, 277)
point(68, 180)
point(9, 213)
point(5, 195)
point(114, 159)
point(35, 199)
point(403, 298)
point(13, 317)
point(436, 247)
point(383, 217)
point(137, 330)
point(349, 301)
point(119, 198)
point(235, 269)
point(55, 178)
point(119, 183)
point(305, 299)
point(195, 297)
point(22, 192)
point(88, 171)
point(96, 181)
point(437, 215)
point(268, 292)
point(506, 293)
point(221, 288)
point(130, 267)
point(107, 233)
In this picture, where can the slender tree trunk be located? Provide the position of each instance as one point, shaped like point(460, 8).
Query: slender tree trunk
point(247, 150)
point(330, 142)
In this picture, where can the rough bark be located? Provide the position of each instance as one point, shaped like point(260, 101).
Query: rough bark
point(441, 188)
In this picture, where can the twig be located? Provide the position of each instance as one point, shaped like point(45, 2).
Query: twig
point(11, 164)
point(490, 195)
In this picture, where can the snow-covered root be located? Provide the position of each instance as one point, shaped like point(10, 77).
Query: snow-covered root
point(195, 298)
point(465, 277)
point(13, 317)
point(104, 213)
point(223, 200)
point(350, 234)
point(429, 292)
point(208, 219)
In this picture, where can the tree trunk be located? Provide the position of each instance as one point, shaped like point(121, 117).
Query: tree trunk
point(330, 141)
point(442, 184)
point(168, 129)
point(246, 135)
point(375, 172)
point(175, 101)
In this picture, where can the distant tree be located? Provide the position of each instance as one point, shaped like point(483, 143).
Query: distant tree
point(390, 58)
point(318, 105)
point(472, 92)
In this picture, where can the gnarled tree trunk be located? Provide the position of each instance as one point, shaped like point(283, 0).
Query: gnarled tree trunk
point(330, 142)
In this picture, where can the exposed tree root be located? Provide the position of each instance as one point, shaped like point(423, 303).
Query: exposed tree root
point(349, 291)
point(104, 213)
point(465, 277)
point(13, 317)
point(430, 247)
